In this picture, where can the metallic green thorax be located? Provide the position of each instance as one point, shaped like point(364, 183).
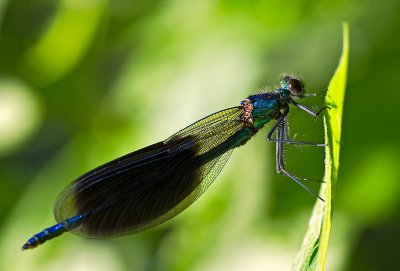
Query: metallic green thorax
point(266, 108)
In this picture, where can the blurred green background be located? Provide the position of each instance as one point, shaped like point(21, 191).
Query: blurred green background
point(83, 82)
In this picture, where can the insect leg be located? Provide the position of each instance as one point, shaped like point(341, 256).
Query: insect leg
point(282, 118)
point(308, 110)
point(280, 165)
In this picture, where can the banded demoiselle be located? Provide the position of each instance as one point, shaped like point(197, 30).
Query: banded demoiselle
point(150, 186)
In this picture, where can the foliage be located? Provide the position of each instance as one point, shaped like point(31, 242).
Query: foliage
point(315, 246)
point(83, 82)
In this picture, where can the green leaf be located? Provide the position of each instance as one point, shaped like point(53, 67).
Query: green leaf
point(312, 255)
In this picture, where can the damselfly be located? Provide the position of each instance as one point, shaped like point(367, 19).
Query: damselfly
point(147, 187)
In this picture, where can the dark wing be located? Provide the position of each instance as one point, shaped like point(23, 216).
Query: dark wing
point(149, 186)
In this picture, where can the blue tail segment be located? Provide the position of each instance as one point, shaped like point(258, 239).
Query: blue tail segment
point(53, 231)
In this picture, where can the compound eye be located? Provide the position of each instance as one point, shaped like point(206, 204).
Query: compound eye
point(295, 86)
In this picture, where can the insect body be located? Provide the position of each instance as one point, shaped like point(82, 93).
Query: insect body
point(147, 187)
